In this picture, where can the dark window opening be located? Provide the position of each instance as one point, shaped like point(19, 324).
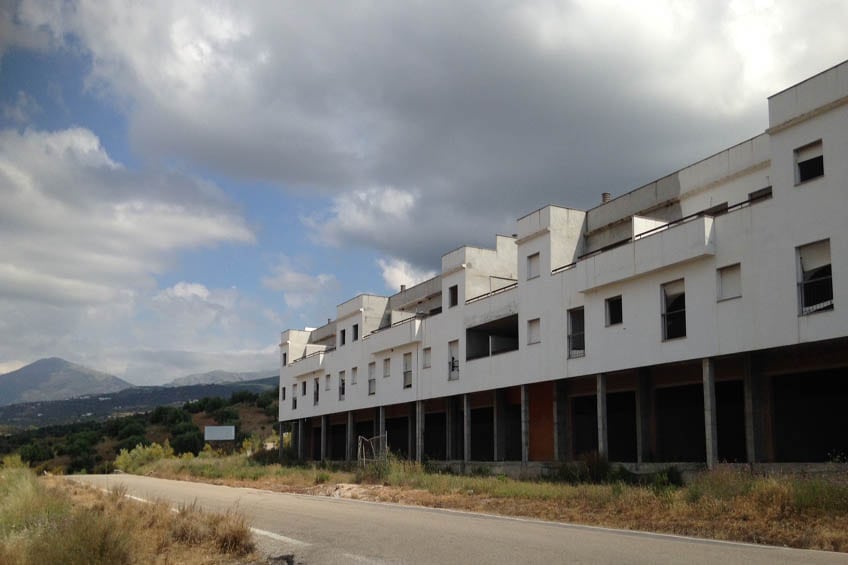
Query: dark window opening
point(283, 393)
point(815, 289)
point(315, 393)
point(576, 333)
point(762, 194)
point(491, 338)
point(674, 310)
point(615, 314)
point(285, 357)
point(453, 296)
point(810, 169)
point(342, 337)
point(355, 332)
point(303, 388)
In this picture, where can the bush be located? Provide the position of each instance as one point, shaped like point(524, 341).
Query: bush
point(169, 416)
point(35, 453)
point(190, 442)
point(225, 416)
point(132, 441)
point(132, 461)
point(132, 428)
point(243, 396)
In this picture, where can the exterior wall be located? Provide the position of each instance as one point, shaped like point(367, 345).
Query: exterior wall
point(493, 284)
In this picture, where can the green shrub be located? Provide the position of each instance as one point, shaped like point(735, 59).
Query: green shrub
point(131, 461)
point(189, 442)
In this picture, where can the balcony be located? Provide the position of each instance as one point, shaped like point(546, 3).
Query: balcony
point(309, 363)
point(401, 333)
point(671, 244)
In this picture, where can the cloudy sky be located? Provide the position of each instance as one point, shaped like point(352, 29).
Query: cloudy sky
point(180, 181)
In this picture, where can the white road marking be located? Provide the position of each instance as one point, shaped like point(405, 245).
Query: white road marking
point(278, 537)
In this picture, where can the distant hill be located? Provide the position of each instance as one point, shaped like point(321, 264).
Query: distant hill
point(127, 401)
point(220, 377)
point(55, 379)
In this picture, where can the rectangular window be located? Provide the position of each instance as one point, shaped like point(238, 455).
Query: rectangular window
point(453, 296)
point(534, 331)
point(303, 388)
point(614, 312)
point(355, 332)
point(532, 266)
point(353, 372)
point(327, 382)
point(285, 358)
point(730, 282)
point(674, 310)
point(342, 337)
point(815, 285)
point(294, 402)
point(316, 387)
point(387, 367)
point(283, 393)
point(341, 385)
point(428, 354)
point(372, 386)
point(576, 333)
point(372, 369)
point(809, 162)
point(407, 370)
point(453, 361)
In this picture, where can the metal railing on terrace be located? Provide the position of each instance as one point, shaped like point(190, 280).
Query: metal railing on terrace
point(721, 209)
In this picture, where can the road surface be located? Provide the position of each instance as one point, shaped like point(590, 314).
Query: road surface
point(332, 530)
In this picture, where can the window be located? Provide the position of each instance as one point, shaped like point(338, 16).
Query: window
point(372, 369)
point(576, 333)
point(355, 332)
point(327, 382)
point(341, 385)
point(303, 388)
point(614, 313)
point(428, 355)
point(674, 310)
point(342, 337)
point(453, 362)
point(730, 282)
point(283, 393)
point(534, 331)
point(285, 358)
point(809, 162)
point(315, 391)
point(353, 372)
point(294, 402)
point(407, 370)
point(387, 367)
point(532, 266)
point(372, 386)
point(453, 296)
point(815, 285)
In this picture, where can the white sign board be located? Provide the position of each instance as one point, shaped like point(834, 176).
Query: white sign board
point(219, 433)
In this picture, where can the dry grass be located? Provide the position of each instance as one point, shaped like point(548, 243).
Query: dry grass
point(725, 504)
point(51, 520)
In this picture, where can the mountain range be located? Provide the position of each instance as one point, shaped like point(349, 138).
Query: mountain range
point(220, 377)
point(55, 379)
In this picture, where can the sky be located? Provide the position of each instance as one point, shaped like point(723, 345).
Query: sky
point(181, 181)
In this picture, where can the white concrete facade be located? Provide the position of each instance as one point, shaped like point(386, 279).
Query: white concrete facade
point(733, 221)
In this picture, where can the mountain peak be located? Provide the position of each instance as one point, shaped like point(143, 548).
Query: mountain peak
point(54, 378)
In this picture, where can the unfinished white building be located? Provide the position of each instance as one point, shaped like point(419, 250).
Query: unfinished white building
point(698, 318)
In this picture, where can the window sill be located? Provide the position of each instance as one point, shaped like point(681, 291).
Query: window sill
point(667, 339)
point(576, 355)
point(533, 277)
point(613, 325)
point(728, 298)
point(534, 342)
point(808, 181)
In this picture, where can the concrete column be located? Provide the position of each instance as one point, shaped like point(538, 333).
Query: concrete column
point(381, 427)
point(466, 427)
point(419, 430)
point(324, 421)
point(759, 442)
point(525, 425)
point(750, 413)
point(350, 451)
point(499, 424)
point(449, 413)
point(410, 432)
point(710, 426)
point(301, 433)
point(603, 438)
point(644, 397)
point(562, 445)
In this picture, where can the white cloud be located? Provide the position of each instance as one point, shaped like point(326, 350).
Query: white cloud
point(397, 272)
point(299, 289)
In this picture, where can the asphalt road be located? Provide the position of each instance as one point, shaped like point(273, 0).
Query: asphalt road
point(330, 530)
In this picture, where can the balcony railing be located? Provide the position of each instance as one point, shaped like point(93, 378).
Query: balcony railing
point(816, 295)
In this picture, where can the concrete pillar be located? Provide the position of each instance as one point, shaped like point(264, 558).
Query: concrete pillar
point(410, 432)
point(644, 406)
point(710, 426)
point(381, 428)
point(301, 433)
point(466, 427)
point(562, 445)
point(603, 438)
point(525, 425)
point(449, 413)
point(324, 421)
point(350, 441)
point(750, 413)
point(419, 430)
point(759, 442)
point(499, 451)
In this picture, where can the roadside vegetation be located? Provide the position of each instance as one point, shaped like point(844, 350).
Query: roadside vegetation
point(93, 446)
point(50, 520)
point(728, 503)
